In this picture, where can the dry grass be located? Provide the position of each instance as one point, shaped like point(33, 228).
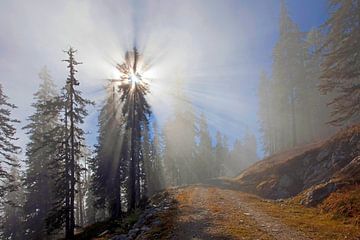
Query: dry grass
point(312, 221)
point(344, 205)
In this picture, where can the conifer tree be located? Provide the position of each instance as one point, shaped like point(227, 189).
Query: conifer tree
point(157, 159)
point(341, 61)
point(205, 161)
point(266, 113)
point(74, 106)
point(12, 224)
point(180, 133)
point(219, 155)
point(136, 112)
point(292, 111)
point(7, 146)
point(41, 157)
point(318, 112)
point(288, 72)
point(153, 168)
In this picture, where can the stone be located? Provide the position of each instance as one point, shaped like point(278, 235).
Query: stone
point(119, 237)
point(285, 181)
point(145, 228)
point(319, 193)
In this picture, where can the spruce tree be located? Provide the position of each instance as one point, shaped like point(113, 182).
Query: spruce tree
point(341, 61)
point(74, 108)
point(266, 113)
point(7, 146)
point(41, 157)
point(221, 155)
point(157, 159)
point(136, 112)
point(153, 167)
point(205, 159)
point(12, 224)
point(109, 163)
point(180, 133)
point(288, 73)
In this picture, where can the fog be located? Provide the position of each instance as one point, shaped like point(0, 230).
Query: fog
point(208, 45)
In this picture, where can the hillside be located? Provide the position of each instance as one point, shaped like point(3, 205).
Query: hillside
point(319, 169)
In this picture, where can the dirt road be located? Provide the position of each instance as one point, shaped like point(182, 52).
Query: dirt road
point(208, 212)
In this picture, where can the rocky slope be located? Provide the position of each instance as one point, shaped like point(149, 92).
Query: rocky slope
point(315, 170)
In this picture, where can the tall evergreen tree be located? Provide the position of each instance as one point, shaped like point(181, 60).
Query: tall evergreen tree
point(341, 64)
point(109, 162)
point(205, 159)
point(266, 114)
point(180, 133)
point(250, 147)
point(7, 146)
point(292, 111)
point(41, 157)
point(75, 112)
point(12, 225)
point(157, 160)
point(318, 112)
point(288, 72)
point(136, 112)
point(221, 155)
point(235, 161)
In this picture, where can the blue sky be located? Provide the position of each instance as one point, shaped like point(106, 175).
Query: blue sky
point(218, 49)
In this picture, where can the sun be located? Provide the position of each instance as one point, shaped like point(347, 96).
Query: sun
point(128, 72)
point(134, 79)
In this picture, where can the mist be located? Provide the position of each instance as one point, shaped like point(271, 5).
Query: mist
point(154, 119)
point(207, 45)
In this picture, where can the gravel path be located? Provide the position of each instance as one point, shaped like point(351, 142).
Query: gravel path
point(207, 212)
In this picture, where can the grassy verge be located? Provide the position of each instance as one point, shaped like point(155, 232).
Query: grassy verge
point(316, 223)
point(344, 205)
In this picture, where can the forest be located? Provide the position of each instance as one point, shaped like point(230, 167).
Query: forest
point(59, 183)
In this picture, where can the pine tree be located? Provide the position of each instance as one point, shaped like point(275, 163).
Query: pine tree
point(41, 156)
point(153, 167)
point(341, 64)
point(74, 106)
point(318, 111)
point(157, 160)
point(292, 111)
point(235, 162)
point(110, 162)
point(288, 73)
point(250, 147)
point(266, 113)
point(206, 161)
point(148, 173)
point(12, 224)
point(81, 186)
point(7, 146)
point(136, 112)
point(221, 155)
point(180, 133)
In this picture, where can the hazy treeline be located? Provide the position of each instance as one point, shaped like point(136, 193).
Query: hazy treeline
point(314, 83)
